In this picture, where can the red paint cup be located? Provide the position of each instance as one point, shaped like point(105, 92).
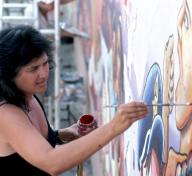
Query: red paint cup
point(86, 124)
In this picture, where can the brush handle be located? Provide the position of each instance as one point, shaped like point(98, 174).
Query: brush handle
point(157, 104)
point(170, 104)
point(80, 169)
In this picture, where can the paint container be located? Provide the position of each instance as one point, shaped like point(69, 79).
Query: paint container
point(86, 123)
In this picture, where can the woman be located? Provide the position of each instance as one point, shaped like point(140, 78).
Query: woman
point(27, 142)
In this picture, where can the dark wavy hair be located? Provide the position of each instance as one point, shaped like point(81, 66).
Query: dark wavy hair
point(19, 46)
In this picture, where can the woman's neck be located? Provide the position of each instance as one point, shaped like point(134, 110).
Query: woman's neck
point(29, 99)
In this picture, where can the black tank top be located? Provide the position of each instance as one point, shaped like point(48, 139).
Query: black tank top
point(14, 164)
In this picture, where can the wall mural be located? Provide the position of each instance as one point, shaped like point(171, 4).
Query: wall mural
point(141, 50)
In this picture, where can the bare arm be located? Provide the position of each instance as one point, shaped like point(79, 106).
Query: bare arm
point(30, 144)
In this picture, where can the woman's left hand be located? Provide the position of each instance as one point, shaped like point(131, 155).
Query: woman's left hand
point(68, 134)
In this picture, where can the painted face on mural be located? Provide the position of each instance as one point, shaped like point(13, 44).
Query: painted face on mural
point(177, 161)
point(184, 84)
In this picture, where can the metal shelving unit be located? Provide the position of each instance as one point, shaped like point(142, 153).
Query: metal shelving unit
point(12, 12)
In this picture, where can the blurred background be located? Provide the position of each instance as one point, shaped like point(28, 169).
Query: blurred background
point(66, 98)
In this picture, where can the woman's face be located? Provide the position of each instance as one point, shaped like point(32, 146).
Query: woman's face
point(32, 78)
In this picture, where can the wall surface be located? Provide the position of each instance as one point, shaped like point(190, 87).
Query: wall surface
point(141, 50)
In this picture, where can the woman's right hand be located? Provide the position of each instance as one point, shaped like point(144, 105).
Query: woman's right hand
point(127, 114)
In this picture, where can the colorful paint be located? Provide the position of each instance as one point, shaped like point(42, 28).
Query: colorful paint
point(141, 50)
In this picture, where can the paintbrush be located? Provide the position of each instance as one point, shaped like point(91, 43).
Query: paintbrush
point(156, 104)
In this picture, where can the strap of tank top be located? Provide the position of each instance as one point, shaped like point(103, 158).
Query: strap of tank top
point(53, 135)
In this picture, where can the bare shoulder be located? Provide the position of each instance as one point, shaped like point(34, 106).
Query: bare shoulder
point(19, 135)
point(9, 111)
point(11, 117)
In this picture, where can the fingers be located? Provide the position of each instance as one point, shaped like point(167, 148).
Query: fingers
point(84, 128)
point(134, 109)
point(134, 104)
point(137, 114)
